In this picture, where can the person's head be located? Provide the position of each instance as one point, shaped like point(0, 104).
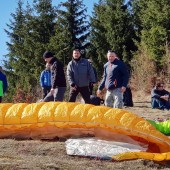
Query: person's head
point(47, 66)
point(76, 54)
point(111, 55)
point(160, 86)
point(48, 56)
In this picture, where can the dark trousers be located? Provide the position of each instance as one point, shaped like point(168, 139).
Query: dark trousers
point(57, 96)
point(91, 88)
point(127, 97)
point(160, 104)
point(84, 91)
point(45, 91)
point(0, 99)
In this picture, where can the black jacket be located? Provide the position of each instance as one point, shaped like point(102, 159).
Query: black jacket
point(57, 74)
point(158, 93)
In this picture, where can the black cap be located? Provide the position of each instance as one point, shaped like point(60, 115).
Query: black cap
point(47, 54)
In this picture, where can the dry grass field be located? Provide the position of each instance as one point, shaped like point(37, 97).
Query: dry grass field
point(51, 155)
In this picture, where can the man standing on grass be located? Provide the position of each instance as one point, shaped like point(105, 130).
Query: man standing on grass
point(79, 74)
point(58, 81)
point(115, 80)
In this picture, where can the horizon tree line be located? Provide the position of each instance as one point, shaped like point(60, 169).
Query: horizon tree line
point(126, 27)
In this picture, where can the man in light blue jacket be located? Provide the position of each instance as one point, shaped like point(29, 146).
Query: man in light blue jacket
point(79, 74)
point(45, 80)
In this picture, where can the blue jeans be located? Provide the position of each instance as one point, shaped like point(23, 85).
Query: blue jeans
point(160, 104)
point(114, 98)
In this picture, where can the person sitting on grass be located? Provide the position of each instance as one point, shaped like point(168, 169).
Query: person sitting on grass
point(160, 97)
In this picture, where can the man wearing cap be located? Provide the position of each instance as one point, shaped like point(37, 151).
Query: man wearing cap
point(79, 74)
point(115, 80)
point(58, 81)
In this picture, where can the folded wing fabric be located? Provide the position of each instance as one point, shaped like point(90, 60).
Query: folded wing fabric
point(61, 119)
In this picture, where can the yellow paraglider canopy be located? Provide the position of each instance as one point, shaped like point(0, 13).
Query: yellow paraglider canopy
point(62, 119)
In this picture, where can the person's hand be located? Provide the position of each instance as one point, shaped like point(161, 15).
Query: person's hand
point(74, 88)
point(166, 97)
point(92, 84)
point(98, 93)
point(123, 89)
point(52, 91)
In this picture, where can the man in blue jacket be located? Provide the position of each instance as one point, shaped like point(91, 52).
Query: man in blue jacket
point(45, 80)
point(3, 79)
point(115, 80)
point(79, 74)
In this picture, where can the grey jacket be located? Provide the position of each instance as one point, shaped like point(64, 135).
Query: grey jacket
point(80, 73)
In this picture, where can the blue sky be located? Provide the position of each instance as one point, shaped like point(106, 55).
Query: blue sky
point(9, 6)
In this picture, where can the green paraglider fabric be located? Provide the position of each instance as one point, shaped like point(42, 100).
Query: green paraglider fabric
point(1, 89)
point(163, 127)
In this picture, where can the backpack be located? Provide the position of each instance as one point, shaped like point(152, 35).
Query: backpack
point(96, 100)
point(127, 97)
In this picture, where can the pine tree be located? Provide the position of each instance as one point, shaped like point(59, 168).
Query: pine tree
point(112, 29)
point(16, 34)
point(40, 30)
point(153, 22)
point(72, 30)
point(30, 33)
point(99, 44)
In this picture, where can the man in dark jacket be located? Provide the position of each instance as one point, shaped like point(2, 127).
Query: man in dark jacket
point(115, 80)
point(58, 81)
point(160, 97)
point(79, 74)
point(4, 84)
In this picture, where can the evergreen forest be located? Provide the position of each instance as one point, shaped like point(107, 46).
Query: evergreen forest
point(137, 30)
